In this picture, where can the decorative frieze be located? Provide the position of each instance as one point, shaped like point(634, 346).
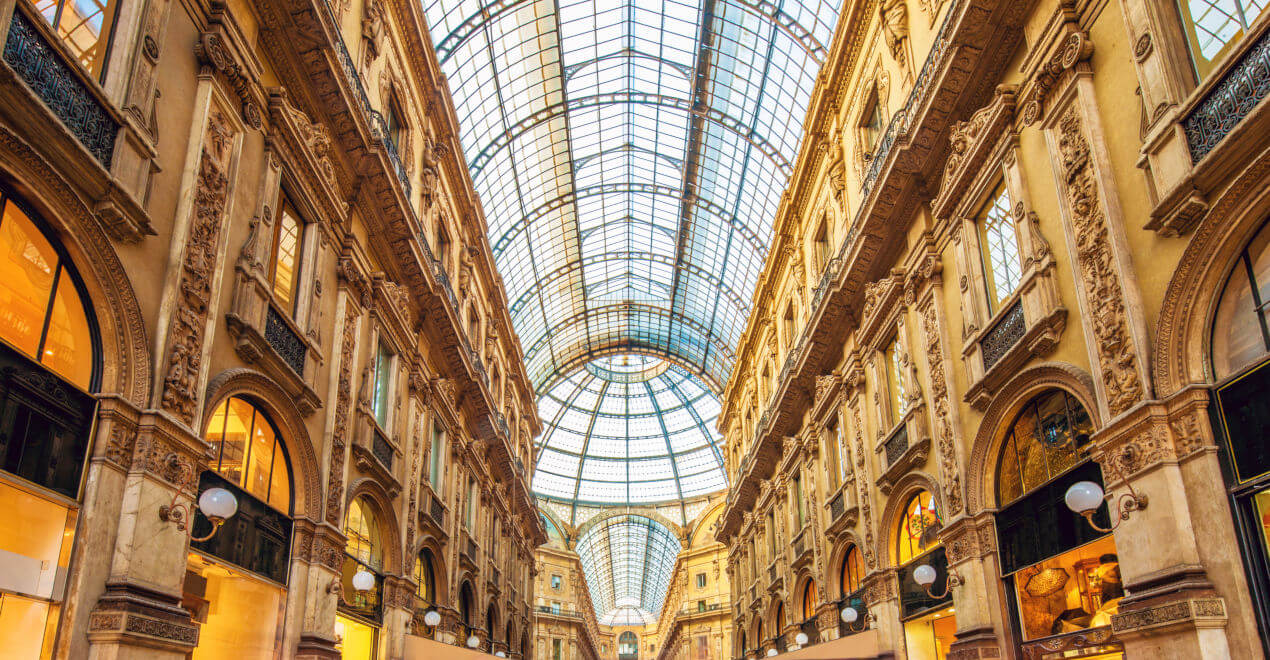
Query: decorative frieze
point(945, 431)
point(343, 405)
point(1193, 611)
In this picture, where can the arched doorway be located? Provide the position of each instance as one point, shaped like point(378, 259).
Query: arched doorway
point(1062, 577)
point(850, 590)
point(236, 581)
point(810, 603)
point(627, 646)
point(929, 623)
point(50, 366)
point(360, 613)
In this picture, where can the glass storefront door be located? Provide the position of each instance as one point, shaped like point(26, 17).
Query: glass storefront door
point(36, 534)
point(239, 613)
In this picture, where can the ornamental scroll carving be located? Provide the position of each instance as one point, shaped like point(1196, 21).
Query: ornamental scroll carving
point(1117, 357)
point(866, 508)
point(950, 478)
point(189, 317)
point(343, 401)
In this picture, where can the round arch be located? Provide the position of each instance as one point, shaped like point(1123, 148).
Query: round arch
point(645, 512)
point(1190, 300)
point(381, 506)
point(270, 397)
point(465, 605)
point(702, 525)
point(440, 584)
point(901, 493)
point(804, 582)
point(981, 475)
point(125, 351)
point(837, 554)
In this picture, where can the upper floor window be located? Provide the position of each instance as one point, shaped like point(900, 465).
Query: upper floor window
point(1213, 27)
point(1241, 334)
point(820, 246)
point(999, 244)
point(918, 530)
point(381, 393)
point(284, 267)
point(893, 363)
point(392, 120)
point(41, 312)
point(701, 580)
point(771, 535)
point(436, 456)
point(852, 571)
point(247, 451)
point(470, 515)
point(799, 513)
point(85, 27)
point(871, 124)
point(556, 581)
point(1045, 441)
point(788, 324)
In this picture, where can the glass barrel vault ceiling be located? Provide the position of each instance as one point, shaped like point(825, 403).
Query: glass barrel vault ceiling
point(628, 561)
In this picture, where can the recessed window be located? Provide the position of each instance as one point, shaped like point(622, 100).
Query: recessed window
point(918, 531)
point(852, 571)
point(284, 268)
point(799, 513)
point(436, 456)
point(556, 582)
point(871, 124)
point(396, 127)
point(891, 361)
point(999, 244)
point(363, 534)
point(382, 392)
point(1214, 27)
point(701, 580)
point(41, 312)
point(810, 600)
point(820, 246)
point(85, 27)
point(248, 452)
point(425, 577)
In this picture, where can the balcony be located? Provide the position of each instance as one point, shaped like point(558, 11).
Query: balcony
point(373, 453)
point(801, 550)
point(843, 510)
point(1229, 100)
point(901, 452)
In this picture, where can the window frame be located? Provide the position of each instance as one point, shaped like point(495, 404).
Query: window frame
point(284, 204)
point(990, 204)
point(1204, 70)
point(280, 445)
point(105, 38)
point(383, 348)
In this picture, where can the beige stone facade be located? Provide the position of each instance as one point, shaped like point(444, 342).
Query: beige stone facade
point(265, 212)
point(1010, 235)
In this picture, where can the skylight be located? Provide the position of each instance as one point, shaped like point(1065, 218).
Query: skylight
point(628, 560)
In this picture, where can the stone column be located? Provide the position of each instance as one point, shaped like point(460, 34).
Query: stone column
point(881, 594)
point(970, 545)
point(318, 551)
point(398, 609)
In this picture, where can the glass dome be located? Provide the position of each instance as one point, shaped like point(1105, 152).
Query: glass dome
point(629, 429)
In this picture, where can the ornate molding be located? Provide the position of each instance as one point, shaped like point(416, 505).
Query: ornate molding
point(946, 436)
point(1195, 612)
point(970, 143)
point(343, 423)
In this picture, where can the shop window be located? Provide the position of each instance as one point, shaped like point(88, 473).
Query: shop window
point(381, 394)
point(36, 535)
point(1045, 440)
point(999, 247)
point(248, 453)
point(363, 549)
point(810, 601)
point(42, 313)
point(85, 27)
point(930, 637)
point(284, 266)
point(355, 640)
point(238, 613)
point(257, 537)
point(1241, 330)
point(1075, 591)
point(1214, 27)
point(556, 582)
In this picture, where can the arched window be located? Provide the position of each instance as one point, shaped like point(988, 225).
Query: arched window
point(852, 571)
point(918, 529)
point(779, 619)
point(42, 312)
point(247, 451)
point(362, 531)
point(758, 632)
point(466, 602)
point(1044, 441)
point(627, 644)
point(425, 577)
point(491, 622)
point(810, 601)
point(1241, 330)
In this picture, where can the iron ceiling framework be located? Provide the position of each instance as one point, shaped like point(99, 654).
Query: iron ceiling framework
point(628, 561)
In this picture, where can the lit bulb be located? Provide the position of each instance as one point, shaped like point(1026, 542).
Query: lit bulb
point(473, 642)
point(1083, 496)
point(924, 575)
point(850, 615)
point(500, 654)
point(217, 504)
point(771, 653)
point(801, 638)
point(432, 618)
point(363, 580)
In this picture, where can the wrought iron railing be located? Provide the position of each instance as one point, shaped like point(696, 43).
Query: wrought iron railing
point(1241, 88)
point(379, 127)
point(381, 449)
point(437, 511)
point(1007, 332)
point(42, 67)
point(836, 508)
point(284, 341)
point(896, 445)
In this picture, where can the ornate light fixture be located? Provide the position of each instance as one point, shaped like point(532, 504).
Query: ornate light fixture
point(217, 504)
point(924, 576)
point(1084, 497)
point(363, 581)
point(850, 615)
point(801, 639)
point(473, 641)
point(432, 618)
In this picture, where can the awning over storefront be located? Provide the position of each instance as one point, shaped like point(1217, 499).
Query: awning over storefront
point(852, 647)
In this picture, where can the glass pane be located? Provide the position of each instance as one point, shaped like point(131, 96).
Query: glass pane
point(285, 257)
point(1074, 591)
point(1032, 459)
point(280, 481)
point(1237, 336)
point(918, 531)
point(1213, 27)
point(383, 382)
point(260, 458)
point(27, 269)
point(68, 346)
point(84, 25)
point(233, 455)
point(34, 543)
point(1009, 482)
point(354, 639)
point(1000, 242)
point(22, 622)
point(242, 613)
point(363, 535)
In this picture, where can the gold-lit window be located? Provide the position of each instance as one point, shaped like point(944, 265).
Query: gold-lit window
point(1214, 27)
point(852, 571)
point(780, 617)
point(810, 601)
point(284, 271)
point(871, 124)
point(1045, 441)
point(999, 245)
point(41, 312)
point(918, 529)
point(1241, 330)
point(363, 534)
point(85, 27)
point(248, 452)
point(425, 578)
point(1077, 590)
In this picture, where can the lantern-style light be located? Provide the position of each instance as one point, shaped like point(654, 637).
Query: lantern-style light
point(1084, 496)
point(217, 504)
point(801, 638)
point(849, 615)
point(432, 618)
point(473, 642)
point(363, 580)
point(924, 575)
point(771, 653)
